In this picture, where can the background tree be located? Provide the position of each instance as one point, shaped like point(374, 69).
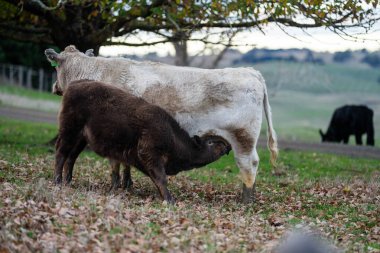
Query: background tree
point(91, 24)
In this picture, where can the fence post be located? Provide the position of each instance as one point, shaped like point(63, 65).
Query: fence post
point(11, 74)
point(3, 77)
point(40, 79)
point(3, 71)
point(20, 75)
point(53, 79)
point(29, 78)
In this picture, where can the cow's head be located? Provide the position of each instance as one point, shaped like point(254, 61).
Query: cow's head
point(63, 63)
point(329, 136)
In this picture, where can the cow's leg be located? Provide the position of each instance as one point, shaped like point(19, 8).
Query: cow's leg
point(244, 146)
point(370, 134)
point(127, 179)
point(115, 174)
point(248, 165)
point(345, 139)
point(358, 138)
point(69, 165)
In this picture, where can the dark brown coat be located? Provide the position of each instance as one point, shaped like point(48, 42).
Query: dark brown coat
point(125, 128)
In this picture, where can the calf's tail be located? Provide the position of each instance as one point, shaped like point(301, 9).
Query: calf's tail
point(272, 138)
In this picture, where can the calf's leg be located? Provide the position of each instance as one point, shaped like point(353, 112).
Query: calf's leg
point(154, 166)
point(159, 178)
point(116, 181)
point(115, 174)
point(69, 165)
point(63, 149)
point(127, 179)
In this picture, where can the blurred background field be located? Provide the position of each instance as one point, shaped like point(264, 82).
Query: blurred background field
point(305, 95)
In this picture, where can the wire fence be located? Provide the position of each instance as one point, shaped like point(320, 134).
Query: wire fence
point(38, 79)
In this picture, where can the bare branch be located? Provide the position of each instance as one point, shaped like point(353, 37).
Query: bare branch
point(219, 57)
point(121, 43)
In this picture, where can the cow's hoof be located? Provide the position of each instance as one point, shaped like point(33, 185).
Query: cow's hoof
point(248, 195)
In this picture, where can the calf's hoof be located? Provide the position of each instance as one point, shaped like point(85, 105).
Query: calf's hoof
point(114, 187)
point(248, 195)
point(58, 180)
point(68, 181)
point(170, 200)
point(127, 185)
point(115, 184)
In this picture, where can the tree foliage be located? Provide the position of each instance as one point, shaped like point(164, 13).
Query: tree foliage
point(24, 53)
point(92, 23)
point(372, 59)
point(342, 56)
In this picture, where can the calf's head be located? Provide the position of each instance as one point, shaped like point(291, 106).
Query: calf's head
point(211, 148)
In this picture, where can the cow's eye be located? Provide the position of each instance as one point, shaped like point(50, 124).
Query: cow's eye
point(210, 143)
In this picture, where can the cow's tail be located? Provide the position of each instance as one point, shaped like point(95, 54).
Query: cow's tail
point(272, 138)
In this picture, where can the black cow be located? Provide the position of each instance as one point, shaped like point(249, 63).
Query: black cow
point(347, 120)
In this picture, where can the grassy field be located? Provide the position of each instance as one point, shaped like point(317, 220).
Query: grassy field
point(335, 197)
point(33, 94)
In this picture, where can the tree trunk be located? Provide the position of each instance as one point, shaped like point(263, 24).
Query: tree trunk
point(181, 56)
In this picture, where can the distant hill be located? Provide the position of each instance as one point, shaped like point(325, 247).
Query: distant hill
point(359, 58)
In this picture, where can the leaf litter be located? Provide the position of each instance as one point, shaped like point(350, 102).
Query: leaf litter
point(37, 216)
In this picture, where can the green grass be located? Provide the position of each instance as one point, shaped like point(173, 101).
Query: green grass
point(32, 94)
point(19, 137)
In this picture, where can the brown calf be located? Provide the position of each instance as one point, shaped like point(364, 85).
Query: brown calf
point(125, 128)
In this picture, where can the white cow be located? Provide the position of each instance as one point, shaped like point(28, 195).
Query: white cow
point(227, 102)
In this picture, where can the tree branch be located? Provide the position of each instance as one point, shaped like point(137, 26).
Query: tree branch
point(120, 43)
point(44, 7)
point(38, 8)
point(122, 22)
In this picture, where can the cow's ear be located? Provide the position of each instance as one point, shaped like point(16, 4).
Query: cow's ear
point(53, 57)
point(197, 141)
point(89, 52)
point(71, 49)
